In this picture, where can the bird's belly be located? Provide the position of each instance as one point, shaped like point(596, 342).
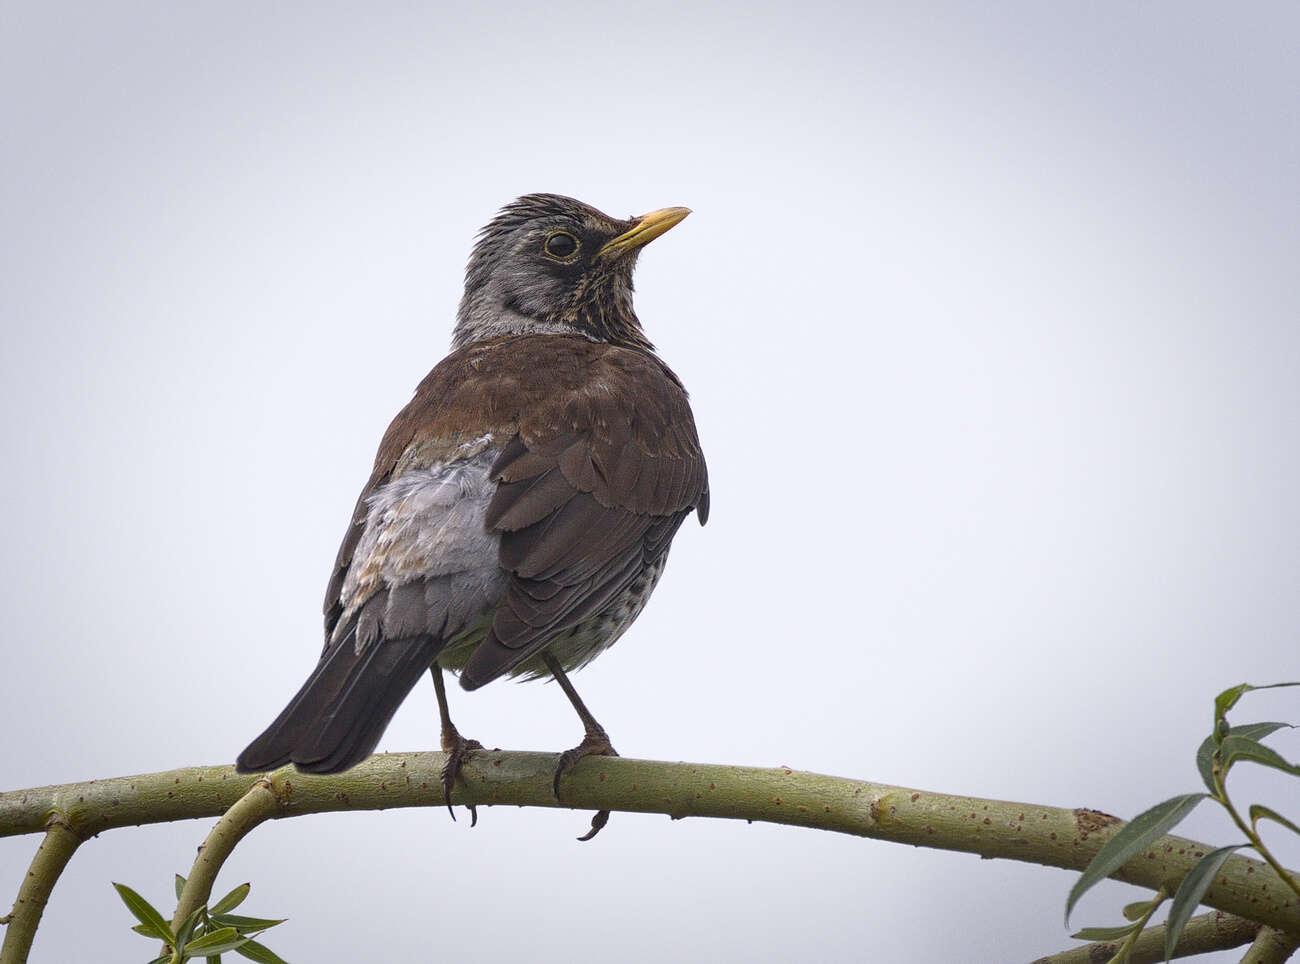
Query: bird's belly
point(577, 646)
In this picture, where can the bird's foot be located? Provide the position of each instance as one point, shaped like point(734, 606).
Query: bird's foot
point(458, 750)
point(595, 743)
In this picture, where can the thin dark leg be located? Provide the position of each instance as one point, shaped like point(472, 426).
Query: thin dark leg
point(594, 743)
point(457, 748)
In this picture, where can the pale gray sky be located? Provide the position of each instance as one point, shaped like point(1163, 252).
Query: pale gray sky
point(989, 316)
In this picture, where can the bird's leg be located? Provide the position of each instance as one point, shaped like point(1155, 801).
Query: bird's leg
point(594, 743)
point(457, 748)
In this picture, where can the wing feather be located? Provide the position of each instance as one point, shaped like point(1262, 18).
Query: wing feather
point(589, 495)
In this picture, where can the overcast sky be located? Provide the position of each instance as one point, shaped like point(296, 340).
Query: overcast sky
point(989, 316)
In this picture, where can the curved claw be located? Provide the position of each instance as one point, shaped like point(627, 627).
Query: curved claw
point(593, 744)
point(457, 756)
point(598, 821)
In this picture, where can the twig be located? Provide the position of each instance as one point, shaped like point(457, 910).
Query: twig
point(1216, 931)
point(255, 806)
point(1271, 947)
point(1257, 842)
point(60, 843)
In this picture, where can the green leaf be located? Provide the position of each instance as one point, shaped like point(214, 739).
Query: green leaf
point(246, 924)
point(1236, 748)
point(231, 900)
point(1140, 909)
point(1260, 812)
point(141, 929)
point(1252, 731)
point(1130, 841)
point(163, 959)
point(212, 959)
point(1105, 933)
point(1257, 731)
point(187, 929)
point(145, 913)
point(1228, 698)
point(180, 886)
point(1190, 892)
point(223, 939)
point(1205, 763)
point(260, 953)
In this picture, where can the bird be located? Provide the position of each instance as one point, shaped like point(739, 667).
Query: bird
point(521, 506)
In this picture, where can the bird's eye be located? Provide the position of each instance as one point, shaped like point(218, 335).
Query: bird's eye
point(561, 244)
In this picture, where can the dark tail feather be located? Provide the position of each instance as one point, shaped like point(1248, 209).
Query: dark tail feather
point(336, 719)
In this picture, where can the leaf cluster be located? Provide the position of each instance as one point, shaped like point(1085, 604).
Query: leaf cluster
point(1226, 746)
point(207, 933)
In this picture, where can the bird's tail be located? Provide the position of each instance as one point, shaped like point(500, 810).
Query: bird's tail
point(336, 719)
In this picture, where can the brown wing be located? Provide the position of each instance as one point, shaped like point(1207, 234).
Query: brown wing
point(589, 495)
point(602, 464)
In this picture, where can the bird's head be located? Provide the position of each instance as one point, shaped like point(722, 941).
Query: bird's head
point(550, 264)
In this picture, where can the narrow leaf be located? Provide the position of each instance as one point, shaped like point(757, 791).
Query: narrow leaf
point(1228, 698)
point(180, 886)
point(1252, 731)
point(1236, 748)
point(246, 924)
point(1260, 812)
point(164, 959)
point(260, 953)
point(1105, 933)
point(1130, 841)
point(145, 913)
point(141, 929)
point(224, 939)
point(187, 929)
point(231, 900)
point(212, 959)
point(1140, 909)
point(1205, 762)
point(1190, 892)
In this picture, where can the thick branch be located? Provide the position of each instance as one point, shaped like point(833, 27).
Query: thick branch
point(1042, 835)
point(1208, 932)
point(52, 856)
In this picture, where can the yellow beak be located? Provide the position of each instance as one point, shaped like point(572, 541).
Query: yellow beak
point(648, 227)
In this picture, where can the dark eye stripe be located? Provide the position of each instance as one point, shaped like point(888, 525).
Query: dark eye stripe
point(560, 245)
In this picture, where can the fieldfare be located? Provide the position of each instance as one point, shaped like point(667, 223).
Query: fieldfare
point(521, 506)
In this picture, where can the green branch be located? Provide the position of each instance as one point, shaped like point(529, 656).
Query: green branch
point(1271, 947)
point(60, 843)
point(254, 807)
point(1042, 835)
point(1257, 842)
point(1215, 931)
